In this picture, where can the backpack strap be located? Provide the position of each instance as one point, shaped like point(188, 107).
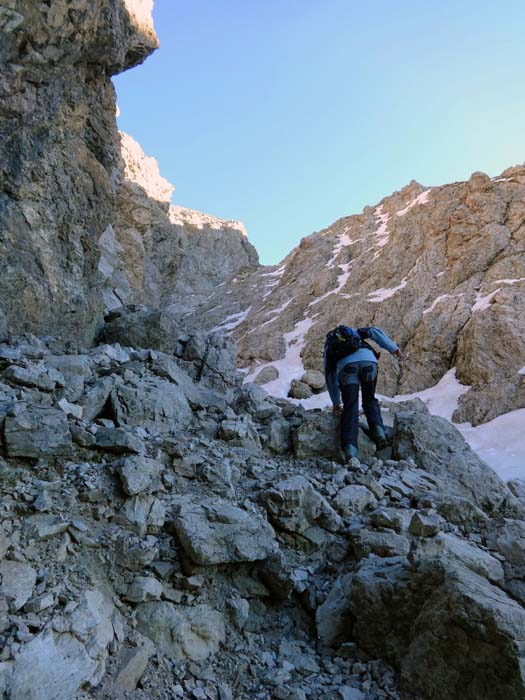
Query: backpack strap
point(365, 333)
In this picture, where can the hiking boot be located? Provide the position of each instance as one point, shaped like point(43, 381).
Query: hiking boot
point(377, 433)
point(350, 452)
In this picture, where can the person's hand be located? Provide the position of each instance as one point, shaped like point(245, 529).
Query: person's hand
point(338, 408)
point(399, 355)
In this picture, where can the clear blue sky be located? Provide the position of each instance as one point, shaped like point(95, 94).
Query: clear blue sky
point(288, 114)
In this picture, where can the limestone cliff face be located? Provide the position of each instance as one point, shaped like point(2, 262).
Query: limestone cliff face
point(59, 154)
point(161, 254)
point(442, 270)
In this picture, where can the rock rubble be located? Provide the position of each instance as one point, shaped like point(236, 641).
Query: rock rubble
point(184, 556)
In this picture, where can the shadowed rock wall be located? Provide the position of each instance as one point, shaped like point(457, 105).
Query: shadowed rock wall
point(60, 165)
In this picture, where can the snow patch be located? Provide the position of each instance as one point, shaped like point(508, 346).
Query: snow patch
point(291, 365)
point(232, 321)
point(275, 315)
point(500, 443)
point(441, 399)
point(343, 240)
point(276, 273)
point(439, 299)
point(521, 371)
point(420, 199)
point(516, 280)
point(382, 233)
point(483, 301)
point(382, 294)
point(341, 281)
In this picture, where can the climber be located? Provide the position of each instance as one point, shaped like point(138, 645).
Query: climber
point(350, 362)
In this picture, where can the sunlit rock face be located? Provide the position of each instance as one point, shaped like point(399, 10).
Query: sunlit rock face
point(59, 150)
point(441, 269)
point(162, 254)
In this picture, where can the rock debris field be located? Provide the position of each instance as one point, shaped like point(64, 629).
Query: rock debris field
point(168, 532)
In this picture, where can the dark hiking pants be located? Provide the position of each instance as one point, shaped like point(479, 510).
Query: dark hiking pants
point(351, 376)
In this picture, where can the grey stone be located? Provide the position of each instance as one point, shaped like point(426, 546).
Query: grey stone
point(349, 693)
point(439, 448)
point(318, 435)
point(37, 431)
point(144, 588)
point(214, 531)
point(424, 525)
point(131, 664)
point(41, 602)
point(294, 505)
point(43, 527)
point(135, 553)
point(144, 511)
point(448, 546)
point(384, 544)
point(182, 633)
point(240, 431)
point(353, 500)
point(54, 666)
point(118, 441)
point(137, 473)
point(4, 544)
point(280, 436)
point(32, 376)
point(314, 379)
point(389, 518)
point(153, 403)
point(75, 369)
point(96, 398)
point(17, 581)
point(239, 609)
point(299, 390)
point(267, 374)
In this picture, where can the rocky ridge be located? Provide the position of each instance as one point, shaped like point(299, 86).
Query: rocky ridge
point(167, 531)
point(441, 269)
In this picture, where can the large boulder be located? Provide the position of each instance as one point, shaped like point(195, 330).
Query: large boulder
point(182, 633)
point(318, 435)
point(449, 630)
point(439, 448)
point(37, 431)
point(151, 402)
point(57, 665)
point(141, 327)
point(294, 505)
point(214, 531)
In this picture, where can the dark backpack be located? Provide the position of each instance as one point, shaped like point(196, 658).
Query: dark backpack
point(342, 341)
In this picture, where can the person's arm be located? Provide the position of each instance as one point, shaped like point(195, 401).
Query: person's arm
point(384, 341)
point(330, 375)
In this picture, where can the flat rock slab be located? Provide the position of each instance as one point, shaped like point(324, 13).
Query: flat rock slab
point(55, 666)
point(182, 633)
point(17, 582)
point(215, 531)
point(37, 431)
